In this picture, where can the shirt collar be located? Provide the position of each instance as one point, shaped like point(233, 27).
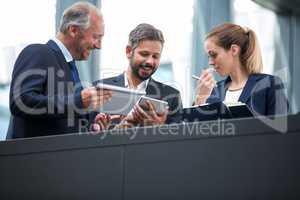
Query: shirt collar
point(63, 49)
point(141, 87)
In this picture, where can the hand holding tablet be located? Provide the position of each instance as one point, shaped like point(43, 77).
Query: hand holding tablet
point(159, 105)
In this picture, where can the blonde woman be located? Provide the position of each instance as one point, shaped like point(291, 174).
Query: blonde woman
point(234, 53)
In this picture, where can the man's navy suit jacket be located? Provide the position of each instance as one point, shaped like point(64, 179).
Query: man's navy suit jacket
point(263, 93)
point(156, 90)
point(42, 94)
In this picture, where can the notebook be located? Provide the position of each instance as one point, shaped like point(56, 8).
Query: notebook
point(216, 111)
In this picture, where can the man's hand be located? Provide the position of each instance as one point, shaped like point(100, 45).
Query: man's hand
point(102, 122)
point(147, 115)
point(94, 97)
point(105, 121)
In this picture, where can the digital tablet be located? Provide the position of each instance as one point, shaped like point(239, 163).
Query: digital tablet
point(159, 105)
point(119, 89)
point(122, 101)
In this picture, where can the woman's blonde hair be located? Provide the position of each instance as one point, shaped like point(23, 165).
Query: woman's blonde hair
point(228, 34)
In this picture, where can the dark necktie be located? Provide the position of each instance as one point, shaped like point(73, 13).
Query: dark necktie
point(75, 75)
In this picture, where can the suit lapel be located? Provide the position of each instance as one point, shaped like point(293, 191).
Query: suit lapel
point(153, 89)
point(58, 52)
point(246, 93)
point(222, 89)
point(150, 88)
point(61, 59)
point(119, 80)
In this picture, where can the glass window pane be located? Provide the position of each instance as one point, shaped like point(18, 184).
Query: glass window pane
point(247, 13)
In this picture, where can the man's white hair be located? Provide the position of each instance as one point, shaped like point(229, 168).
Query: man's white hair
point(79, 15)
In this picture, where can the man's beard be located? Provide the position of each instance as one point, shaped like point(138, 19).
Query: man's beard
point(135, 70)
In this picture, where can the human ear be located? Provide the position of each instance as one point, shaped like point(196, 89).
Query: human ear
point(73, 31)
point(235, 49)
point(129, 51)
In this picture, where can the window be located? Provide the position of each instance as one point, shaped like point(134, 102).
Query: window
point(247, 13)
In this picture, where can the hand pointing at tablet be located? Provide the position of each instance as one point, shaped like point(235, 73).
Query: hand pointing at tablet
point(147, 115)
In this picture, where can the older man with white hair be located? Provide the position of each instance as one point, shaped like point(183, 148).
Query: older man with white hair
point(46, 95)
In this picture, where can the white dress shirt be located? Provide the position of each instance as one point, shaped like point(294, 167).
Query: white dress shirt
point(141, 87)
point(63, 49)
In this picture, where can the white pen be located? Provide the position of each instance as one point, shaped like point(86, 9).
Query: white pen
point(196, 77)
point(209, 70)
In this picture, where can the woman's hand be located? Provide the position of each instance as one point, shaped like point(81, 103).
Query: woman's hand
point(204, 86)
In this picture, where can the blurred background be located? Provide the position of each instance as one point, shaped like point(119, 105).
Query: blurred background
point(184, 24)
